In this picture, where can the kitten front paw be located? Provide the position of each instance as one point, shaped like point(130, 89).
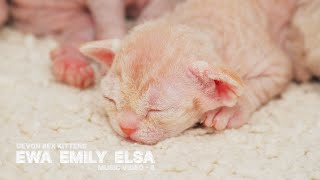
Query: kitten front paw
point(227, 117)
point(70, 67)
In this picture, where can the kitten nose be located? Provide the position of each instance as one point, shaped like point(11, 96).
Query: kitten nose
point(129, 123)
point(128, 131)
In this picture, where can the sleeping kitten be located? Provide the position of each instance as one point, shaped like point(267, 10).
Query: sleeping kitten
point(210, 61)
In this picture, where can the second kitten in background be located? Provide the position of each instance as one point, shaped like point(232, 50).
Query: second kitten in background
point(73, 22)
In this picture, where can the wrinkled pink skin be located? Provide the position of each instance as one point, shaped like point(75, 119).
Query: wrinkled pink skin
point(73, 22)
point(3, 12)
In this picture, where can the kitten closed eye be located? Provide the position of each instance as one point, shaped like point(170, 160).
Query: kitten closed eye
point(110, 100)
point(152, 111)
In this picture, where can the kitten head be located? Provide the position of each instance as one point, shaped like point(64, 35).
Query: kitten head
point(161, 81)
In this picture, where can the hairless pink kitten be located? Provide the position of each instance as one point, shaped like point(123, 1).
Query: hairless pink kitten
point(210, 61)
point(76, 21)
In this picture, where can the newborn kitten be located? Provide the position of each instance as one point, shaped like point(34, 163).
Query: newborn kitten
point(210, 61)
point(73, 22)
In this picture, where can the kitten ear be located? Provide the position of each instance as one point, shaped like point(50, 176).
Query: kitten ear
point(102, 51)
point(217, 83)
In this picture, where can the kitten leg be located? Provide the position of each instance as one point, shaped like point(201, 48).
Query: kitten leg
point(69, 65)
point(157, 8)
point(109, 18)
